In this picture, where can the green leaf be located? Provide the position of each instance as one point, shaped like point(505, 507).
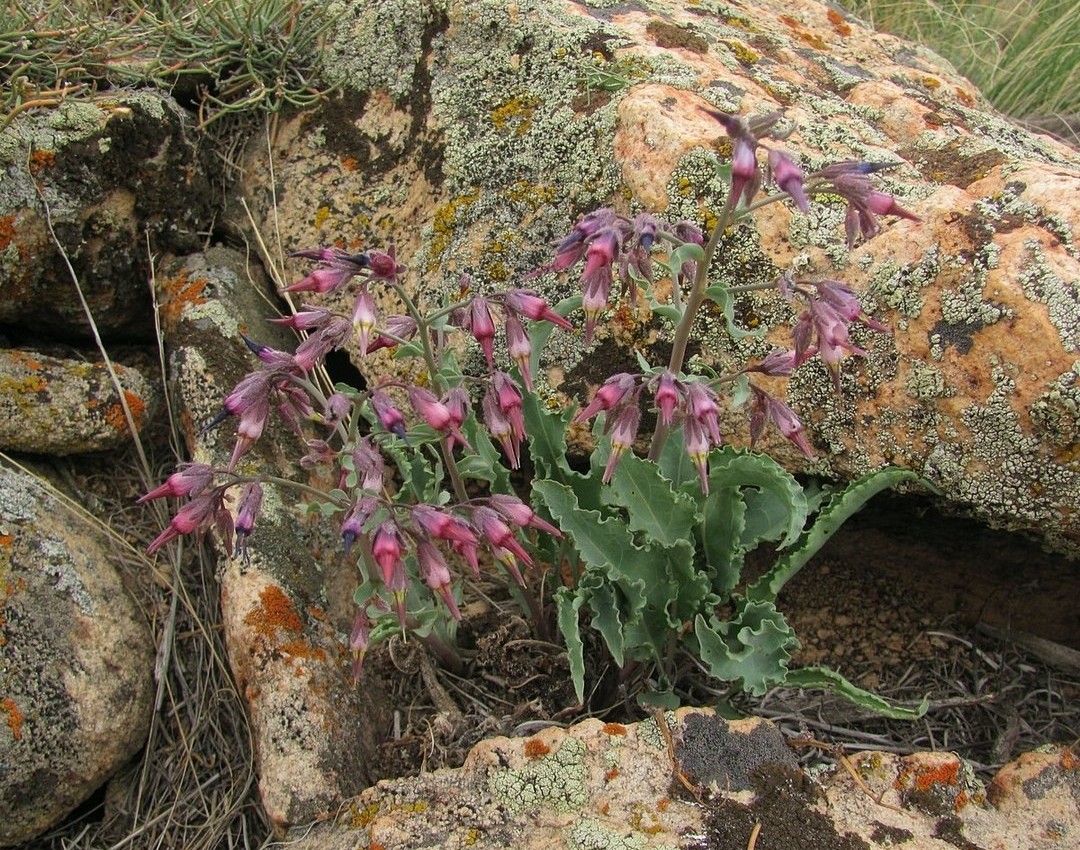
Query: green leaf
point(723, 517)
point(486, 462)
point(666, 311)
point(665, 515)
point(724, 300)
point(675, 463)
point(839, 508)
point(604, 542)
point(754, 650)
point(606, 619)
point(567, 605)
point(547, 448)
point(685, 253)
point(821, 677)
point(776, 511)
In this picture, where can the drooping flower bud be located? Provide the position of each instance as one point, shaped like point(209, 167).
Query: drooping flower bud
point(521, 514)
point(387, 547)
point(667, 397)
point(623, 433)
point(247, 512)
point(436, 575)
point(614, 392)
point(789, 177)
point(190, 480)
point(482, 327)
point(388, 415)
point(364, 318)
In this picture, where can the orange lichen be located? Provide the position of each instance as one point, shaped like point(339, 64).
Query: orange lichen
point(662, 804)
point(534, 748)
point(7, 230)
point(182, 292)
point(274, 612)
point(6, 540)
point(302, 649)
point(611, 774)
point(350, 163)
point(40, 160)
point(1069, 759)
point(14, 717)
point(614, 729)
point(964, 97)
point(115, 417)
point(838, 23)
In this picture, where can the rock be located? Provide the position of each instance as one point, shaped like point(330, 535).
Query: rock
point(107, 174)
point(57, 406)
point(76, 659)
point(287, 603)
point(613, 786)
point(480, 133)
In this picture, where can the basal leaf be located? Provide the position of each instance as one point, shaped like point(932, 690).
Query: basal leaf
point(604, 604)
point(777, 512)
point(754, 650)
point(604, 542)
point(837, 510)
point(567, 605)
point(654, 508)
point(722, 522)
point(821, 677)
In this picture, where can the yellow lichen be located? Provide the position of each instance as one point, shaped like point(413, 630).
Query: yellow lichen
point(519, 110)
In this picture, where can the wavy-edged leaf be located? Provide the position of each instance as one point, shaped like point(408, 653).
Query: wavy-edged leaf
point(837, 510)
point(726, 302)
point(603, 542)
point(654, 508)
point(822, 677)
point(723, 517)
point(776, 511)
point(753, 650)
point(567, 605)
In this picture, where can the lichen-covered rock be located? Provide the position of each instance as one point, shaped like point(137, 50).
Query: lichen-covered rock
point(56, 406)
point(608, 785)
point(482, 130)
point(107, 174)
point(76, 660)
point(287, 605)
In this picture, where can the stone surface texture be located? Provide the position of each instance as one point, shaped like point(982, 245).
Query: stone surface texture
point(115, 180)
point(600, 785)
point(482, 130)
point(61, 406)
point(286, 605)
point(76, 659)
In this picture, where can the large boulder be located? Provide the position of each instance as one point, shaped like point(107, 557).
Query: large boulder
point(76, 659)
point(473, 134)
point(101, 184)
point(61, 406)
point(706, 783)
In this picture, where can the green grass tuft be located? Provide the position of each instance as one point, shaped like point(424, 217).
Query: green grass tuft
point(1024, 55)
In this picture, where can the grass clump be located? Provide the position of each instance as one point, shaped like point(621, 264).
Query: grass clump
point(1024, 55)
point(225, 56)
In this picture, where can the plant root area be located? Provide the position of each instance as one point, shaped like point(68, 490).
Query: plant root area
point(902, 601)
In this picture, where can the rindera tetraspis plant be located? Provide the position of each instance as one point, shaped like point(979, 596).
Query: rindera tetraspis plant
point(652, 547)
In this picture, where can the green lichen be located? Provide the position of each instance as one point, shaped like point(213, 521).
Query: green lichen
point(1041, 284)
point(648, 731)
point(555, 781)
point(592, 834)
point(926, 382)
point(1056, 416)
point(901, 288)
point(378, 44)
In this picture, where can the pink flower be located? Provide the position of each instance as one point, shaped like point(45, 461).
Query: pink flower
point(667, 397)
point(336, 269)
point(387, 547)
point(701, 405)
point(623, 433)
point(388, 415)
point(436, 575)
point(480, 324)
point(364, 318)
point(765, 409)
point(525, 302)
point(616, 390)
point(498, 533)
point(521, 514)
point(789, 177)
point(196, 517)
point(353, 524)
point(519, 347)
point(696, 443)
point(190, 480)
point(442, 525)
point(248, 511)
